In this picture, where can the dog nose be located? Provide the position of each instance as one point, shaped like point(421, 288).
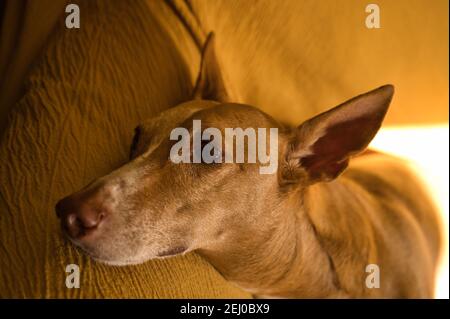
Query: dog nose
point(81, 214)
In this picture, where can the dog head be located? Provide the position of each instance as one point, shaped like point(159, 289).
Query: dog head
point(155, 207)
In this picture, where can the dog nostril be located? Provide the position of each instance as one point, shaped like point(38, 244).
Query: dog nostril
point(72, 225)
point(81, 215)
point(78, 225)
point(71, 220)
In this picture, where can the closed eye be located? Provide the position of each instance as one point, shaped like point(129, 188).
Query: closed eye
point(134, 143)
point(212, 151)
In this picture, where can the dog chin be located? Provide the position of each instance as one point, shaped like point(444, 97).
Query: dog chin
point(130, 262)
point(127, 261)
point(111, 262)
point(105, 260)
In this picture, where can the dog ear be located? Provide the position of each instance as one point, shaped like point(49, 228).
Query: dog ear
point(210, 83)
point(322, 146)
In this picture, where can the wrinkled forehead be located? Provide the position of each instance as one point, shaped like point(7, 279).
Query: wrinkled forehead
point(230, 115)
point(151, 133)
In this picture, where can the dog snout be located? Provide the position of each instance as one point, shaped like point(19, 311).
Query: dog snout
point(82, 214)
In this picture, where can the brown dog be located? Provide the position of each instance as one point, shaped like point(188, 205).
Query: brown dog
point(309, 230)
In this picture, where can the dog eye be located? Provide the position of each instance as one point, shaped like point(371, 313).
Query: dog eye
point(218, 155)
point(134, 143)
point(213, 153)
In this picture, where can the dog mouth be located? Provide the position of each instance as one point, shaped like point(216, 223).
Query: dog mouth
point(111, 261)
point(98, 254)
point(103, 259)
point(90, 251)
point(172, 251)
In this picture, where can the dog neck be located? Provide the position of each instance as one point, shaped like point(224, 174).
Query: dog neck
point(284, 256)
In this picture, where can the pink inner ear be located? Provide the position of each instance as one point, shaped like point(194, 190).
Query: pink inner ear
point(321, 170)
point(330, 153)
